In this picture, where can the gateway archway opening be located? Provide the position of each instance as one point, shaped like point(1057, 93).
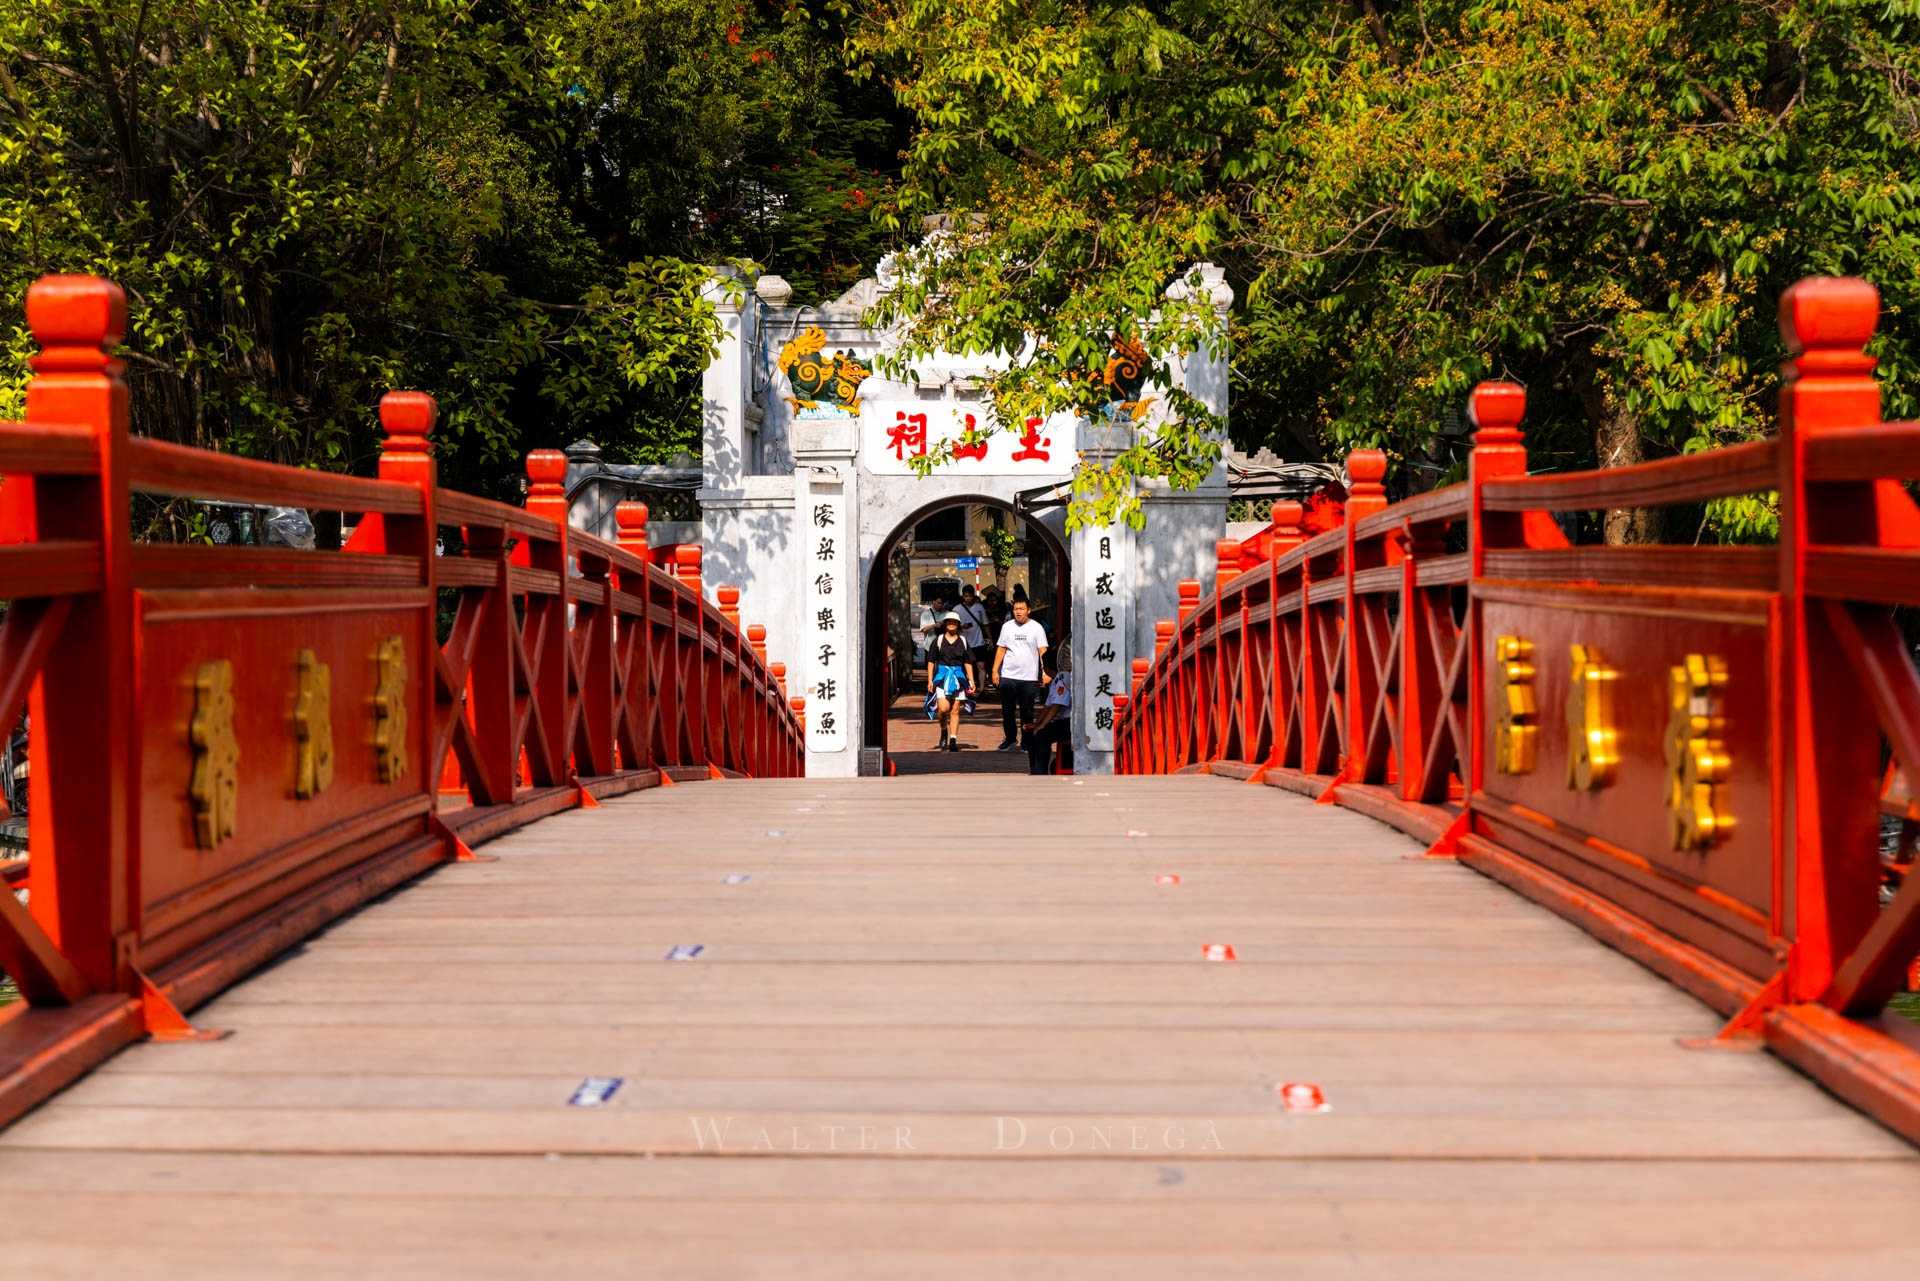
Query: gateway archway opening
point(937, 551)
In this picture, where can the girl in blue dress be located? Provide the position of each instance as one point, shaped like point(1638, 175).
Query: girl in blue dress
point(949, 680)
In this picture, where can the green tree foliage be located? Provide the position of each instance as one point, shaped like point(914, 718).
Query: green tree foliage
point(1601, 198)
point(504, 203)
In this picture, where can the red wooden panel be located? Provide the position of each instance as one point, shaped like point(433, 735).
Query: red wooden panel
point(183, 887)
point(1641, 635)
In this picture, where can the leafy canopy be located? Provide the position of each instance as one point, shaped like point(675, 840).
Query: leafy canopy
point(511, 205)
point(1601, 198)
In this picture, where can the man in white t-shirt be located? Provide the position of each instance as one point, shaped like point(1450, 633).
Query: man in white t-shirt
point(1016, 670)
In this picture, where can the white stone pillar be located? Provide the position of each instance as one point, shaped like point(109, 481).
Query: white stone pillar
point(1103, 605)
point(826, 521)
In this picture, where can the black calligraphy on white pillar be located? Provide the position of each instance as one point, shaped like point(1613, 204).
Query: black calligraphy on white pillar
point(823, 615)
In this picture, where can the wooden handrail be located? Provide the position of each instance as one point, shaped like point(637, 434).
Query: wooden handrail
point(158, 467)
point(1688, 478)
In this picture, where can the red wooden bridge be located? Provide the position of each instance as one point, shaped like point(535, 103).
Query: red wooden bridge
point(707, 1017)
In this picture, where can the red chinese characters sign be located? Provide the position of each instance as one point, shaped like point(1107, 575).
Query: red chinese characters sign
point(896, 433)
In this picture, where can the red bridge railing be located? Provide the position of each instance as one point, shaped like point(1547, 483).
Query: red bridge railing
point(1688, 750)
point(230, 746)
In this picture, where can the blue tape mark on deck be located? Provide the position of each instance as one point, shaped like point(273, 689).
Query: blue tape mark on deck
point(595, 1090)
point(685, 951)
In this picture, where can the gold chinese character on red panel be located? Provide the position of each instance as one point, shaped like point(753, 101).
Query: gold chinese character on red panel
point(312, 725)
point(1697, 760)
point(390, 709)
point(215, 785)
point(1516, 714)
point(1593, 745)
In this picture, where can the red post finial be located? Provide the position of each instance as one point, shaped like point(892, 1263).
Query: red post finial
point(757, 637)
point(1287, 535)
point(729, 598)
point(779, 670)
point(1120, 702)
point(407, 418)
point(75, 319)
point(546, 494)
point(1496, 409)
point(1366, 468)
point(1162, 635)
point(686, 565)
point(546, 472)
point(1226, 560)
point(630, 518)
point(1140, 668)
point(1189, 597)
point(799, 705)
point(1827, 380)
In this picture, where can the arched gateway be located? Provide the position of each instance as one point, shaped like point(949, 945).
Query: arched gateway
point(806, 478)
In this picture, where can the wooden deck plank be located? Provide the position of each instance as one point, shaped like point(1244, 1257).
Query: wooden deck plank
point(1509, 1096)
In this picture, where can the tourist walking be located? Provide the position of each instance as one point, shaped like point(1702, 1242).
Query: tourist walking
point(949, 680)
point(1053, 724)
point(1016, 670)
point(973, 622)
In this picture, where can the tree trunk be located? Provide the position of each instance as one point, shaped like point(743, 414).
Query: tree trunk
point(1617, 443)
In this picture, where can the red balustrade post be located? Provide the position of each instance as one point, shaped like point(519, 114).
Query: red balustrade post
point(686, 567)
point(1120, 739)
point(1831, 770)
point(1420, 694)
point(693, 701)
point(1142, 718)
point(1189, 597)
point(634, 716)
point(594, 740)
point(1228, 695)
point(724, 693)
point(406, 457)
point(84, 747)
point(1191, 700)
point(763, 716)
point(1166, 695)
point(1310, 674)
point(779, 671)
point(1499, 452)
point(545, 627)
point(1285, 517)
point(1365, 616)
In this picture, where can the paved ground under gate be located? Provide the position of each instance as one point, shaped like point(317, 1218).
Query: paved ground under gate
point(990, 1033)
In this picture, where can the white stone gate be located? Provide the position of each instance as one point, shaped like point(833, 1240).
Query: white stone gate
point(800, 493)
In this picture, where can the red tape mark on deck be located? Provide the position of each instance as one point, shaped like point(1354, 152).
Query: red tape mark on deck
point(1301, 1096)
point(1217, 952)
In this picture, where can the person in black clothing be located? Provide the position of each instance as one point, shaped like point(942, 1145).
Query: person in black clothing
point(949, 679)
point(1052, 724)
